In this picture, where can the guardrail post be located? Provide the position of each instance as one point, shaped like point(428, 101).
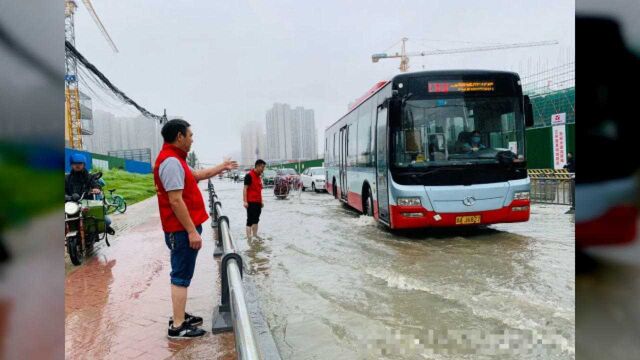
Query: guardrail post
point(212, 208)
point(218, 251)
point(222, 321)
point(213, 212)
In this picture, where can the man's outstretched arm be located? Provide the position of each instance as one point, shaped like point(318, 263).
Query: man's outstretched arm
point(215, 170)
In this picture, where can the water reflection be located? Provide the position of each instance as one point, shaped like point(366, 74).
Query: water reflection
point(87, 292)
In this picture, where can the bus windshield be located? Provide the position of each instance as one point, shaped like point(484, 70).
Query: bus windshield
point(457, 131)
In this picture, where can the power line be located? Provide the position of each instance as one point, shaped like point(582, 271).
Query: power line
point(75, 53)
point(101, 93)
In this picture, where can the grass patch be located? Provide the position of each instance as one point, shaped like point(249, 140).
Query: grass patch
point(28, 192)
point(133, 187)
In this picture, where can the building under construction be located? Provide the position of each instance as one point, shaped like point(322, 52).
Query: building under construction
point(552, 92)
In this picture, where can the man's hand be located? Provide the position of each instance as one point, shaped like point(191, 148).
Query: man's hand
point(195, 241)
point(95, 191)
point(229, 164)
point(246, 205)
point(207, 173)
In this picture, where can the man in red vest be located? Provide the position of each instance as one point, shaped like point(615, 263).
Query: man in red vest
point(252, 197)
point(182, 212)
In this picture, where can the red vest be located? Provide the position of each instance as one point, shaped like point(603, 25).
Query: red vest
point(190, 194)
point(254, 191)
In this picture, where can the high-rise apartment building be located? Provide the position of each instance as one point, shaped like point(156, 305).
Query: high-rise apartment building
point(291, 133)
point(252, 143)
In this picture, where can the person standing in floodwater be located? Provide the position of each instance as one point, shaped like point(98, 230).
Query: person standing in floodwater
point(252, 197)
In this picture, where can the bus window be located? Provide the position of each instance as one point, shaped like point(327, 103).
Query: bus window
point(353, 144)
point(364, 133)
point(441, 131)
point(326, 148)
point(334, 147)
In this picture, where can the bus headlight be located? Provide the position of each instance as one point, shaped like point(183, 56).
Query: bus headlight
point(409, 201)
point(71, 208)
point(521, 195)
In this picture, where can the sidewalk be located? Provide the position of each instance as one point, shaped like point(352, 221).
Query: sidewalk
point(117, 304)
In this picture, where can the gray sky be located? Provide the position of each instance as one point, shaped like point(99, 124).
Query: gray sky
point(221, 64)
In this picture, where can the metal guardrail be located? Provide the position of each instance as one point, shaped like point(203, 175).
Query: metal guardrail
point(232, 312)
point(552, 187)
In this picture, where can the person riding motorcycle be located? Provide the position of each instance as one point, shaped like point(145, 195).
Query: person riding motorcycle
point(80, 182)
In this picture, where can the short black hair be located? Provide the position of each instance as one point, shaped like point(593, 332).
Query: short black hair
point(172, 128)
point(260, 162)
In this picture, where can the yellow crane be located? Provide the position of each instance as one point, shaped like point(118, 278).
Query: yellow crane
point(404, 55)
point(73, 128)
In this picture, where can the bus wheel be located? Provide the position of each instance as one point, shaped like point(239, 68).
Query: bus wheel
point(335, 189)
point(367, 205)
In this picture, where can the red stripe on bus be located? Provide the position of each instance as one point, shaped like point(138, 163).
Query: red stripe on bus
point(617, 226)
point(354, 200)
point(504, 215)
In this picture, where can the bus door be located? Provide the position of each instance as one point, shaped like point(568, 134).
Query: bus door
point(382, 164)
point(344, 137)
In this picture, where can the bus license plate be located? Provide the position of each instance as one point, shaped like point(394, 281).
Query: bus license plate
point(464, 220)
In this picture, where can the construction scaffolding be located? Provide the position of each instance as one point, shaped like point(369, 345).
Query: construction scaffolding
point(552, 92)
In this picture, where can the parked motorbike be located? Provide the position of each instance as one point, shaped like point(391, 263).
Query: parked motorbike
point(84, 224)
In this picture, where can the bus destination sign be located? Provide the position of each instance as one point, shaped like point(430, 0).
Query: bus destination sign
point(460, 86)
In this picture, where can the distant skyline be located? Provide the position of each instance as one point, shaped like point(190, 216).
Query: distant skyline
point(220, 65)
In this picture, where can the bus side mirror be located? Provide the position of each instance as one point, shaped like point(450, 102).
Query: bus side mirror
point(528, 112)
point(395, 108)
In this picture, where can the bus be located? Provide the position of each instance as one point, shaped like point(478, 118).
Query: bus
point(434, 149)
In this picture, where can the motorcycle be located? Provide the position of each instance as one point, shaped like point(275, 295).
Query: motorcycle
point(84, 224)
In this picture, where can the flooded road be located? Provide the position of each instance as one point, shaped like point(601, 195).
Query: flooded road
point(334, 284)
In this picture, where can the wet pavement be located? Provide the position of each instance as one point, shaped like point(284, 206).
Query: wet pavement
point(117, 304)
point(333, 282)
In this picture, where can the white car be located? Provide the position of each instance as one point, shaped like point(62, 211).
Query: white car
point(314, 179)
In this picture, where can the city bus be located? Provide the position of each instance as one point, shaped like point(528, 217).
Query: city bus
point(434, 149)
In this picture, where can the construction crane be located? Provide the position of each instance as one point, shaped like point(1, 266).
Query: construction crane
point(73, 129)
point(404, 56)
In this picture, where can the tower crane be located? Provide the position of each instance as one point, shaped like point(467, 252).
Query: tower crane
point(73, 128)
point(404, 55)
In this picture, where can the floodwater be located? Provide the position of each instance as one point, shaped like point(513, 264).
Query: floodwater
point(335, 284)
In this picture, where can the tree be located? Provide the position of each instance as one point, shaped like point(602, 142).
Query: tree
point(192, 159)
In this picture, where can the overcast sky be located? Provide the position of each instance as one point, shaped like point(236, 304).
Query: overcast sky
point(222, 64)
